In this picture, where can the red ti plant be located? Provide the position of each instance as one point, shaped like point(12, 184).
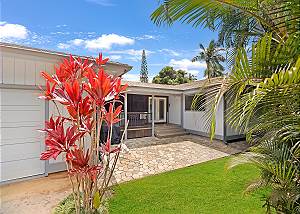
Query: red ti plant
point(83, 89)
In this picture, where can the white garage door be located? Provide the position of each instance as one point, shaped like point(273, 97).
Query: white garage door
point(21, 115)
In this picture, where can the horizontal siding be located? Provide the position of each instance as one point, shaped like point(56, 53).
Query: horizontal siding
point(23, 67)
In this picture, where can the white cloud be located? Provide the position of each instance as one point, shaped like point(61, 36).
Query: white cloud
point(169, 52)
point(131, 77)
point(106, 41)
point(115, 57)
point(60, 33)
point(63, 46)
point(69, 44)
point(193, 72)
point(102, 2)
point(132, 54)
point(63, 25)
point(77, 42)
point(147, 37)
point(13, 31)
point(187, 65)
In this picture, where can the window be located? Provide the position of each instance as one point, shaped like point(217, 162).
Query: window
point(198, 105)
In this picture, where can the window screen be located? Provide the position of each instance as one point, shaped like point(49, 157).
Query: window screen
point(199, 104)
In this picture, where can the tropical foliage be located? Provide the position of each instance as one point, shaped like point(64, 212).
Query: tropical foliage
point(237, 21)
point(169, 76)
point(212, 57)
point(263, 89)
point(263, 99)
point(84, 90)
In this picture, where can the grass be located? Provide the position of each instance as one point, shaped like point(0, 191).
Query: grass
point(202, 188)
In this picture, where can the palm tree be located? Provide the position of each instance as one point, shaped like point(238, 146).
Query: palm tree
point(264, 102)
point(238, 21)
point(263, 88)
point(212, 57)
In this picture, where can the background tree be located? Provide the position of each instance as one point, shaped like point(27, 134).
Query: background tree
point(212, 57)
point(170, 76)
point(144, 68)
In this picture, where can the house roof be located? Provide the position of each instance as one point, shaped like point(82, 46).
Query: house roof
point(58, 53)
point(181, 87)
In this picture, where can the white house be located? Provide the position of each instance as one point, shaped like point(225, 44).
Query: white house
point(22, 113)
point(171, 104)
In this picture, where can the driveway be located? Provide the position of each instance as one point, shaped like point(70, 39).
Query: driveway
point(42, 194)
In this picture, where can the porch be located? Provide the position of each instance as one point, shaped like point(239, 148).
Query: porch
point(151, 115)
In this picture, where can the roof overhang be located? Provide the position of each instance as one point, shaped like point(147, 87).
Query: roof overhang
point(187, 88)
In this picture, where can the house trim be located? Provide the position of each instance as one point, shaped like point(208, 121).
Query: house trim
point(15, 86)
point(56, 167)
point(21, 179)
point(218, 137)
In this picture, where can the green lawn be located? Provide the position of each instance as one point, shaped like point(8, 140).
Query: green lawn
point(203, 188)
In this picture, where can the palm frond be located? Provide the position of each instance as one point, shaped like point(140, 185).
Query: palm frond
point(238, 21)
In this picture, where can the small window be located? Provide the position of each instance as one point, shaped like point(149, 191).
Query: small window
point(198, 105)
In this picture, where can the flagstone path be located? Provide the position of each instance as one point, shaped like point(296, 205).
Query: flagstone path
point(141, 162)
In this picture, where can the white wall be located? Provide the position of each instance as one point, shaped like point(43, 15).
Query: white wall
point(220, 119)
point(195, 120)
point(23, 67)
point(175, 109)
point(231, 132)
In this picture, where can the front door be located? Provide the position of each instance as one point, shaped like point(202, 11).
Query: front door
point(160, 109)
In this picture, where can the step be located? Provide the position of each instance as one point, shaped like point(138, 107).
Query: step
point(165, 131)
point(172, 134)
point(169, 130)
point(167, 126)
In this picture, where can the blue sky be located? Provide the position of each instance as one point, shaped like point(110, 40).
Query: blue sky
point(120, 29)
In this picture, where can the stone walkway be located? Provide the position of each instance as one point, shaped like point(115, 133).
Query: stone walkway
point(141, 162)
point(230, 148)
point(147, 156)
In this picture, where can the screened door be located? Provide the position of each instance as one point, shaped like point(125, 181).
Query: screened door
point(160, 109)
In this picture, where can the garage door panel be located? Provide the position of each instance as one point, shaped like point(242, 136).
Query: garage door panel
point(22, 168)
point(14, 152)
point(16, 116)
point(21, 141)
point(21, 108)
point(20, 97)
point(37, 124)
point(22, 114)
point(19, 132)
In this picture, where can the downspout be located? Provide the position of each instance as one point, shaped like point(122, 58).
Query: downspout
point(224, 120)
point(125, 116)
point(152, 115)
point(182, 110)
